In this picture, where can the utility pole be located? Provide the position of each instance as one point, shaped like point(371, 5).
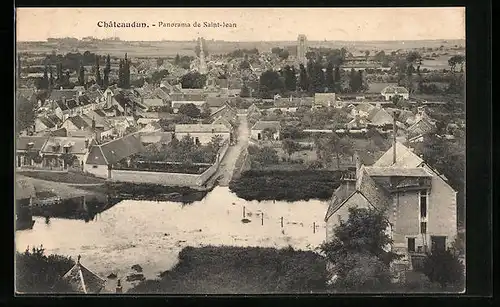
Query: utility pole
point(262, 218)
point(281, 222)
point(243, 211)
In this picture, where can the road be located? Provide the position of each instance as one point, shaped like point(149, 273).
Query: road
point(226, 168)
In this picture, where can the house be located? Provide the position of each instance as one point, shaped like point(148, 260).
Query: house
point(152, 127)
point(55, 147)
point(43, 123)
point(152, 104)
point(177, 104)
point(258, 131)
point(102, 157)
point(28, 150)
point(253, 109)
point(362, 110)
point(82, 280)
point(390, 91)
point(215, 103)
point(379, 117)
point(76, 123)
point(202, 133)
point(357, 123)
point(143, 122)
point(323, 100)
point(227, 112)
point(419, 203)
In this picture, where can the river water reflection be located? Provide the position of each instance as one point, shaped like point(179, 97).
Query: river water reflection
point(151, 233)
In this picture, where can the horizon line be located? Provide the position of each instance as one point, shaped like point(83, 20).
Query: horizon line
point(245, 41)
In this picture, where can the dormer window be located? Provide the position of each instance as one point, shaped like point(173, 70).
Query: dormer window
point(30, 145)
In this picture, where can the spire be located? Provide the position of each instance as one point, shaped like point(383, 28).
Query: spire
point(119, 286)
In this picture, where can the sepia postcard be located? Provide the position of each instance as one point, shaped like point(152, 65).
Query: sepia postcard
point(240, 150)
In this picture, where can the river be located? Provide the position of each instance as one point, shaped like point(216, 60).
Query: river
point(151, 233)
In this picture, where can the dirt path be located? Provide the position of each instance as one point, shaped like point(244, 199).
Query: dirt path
point(226, 168)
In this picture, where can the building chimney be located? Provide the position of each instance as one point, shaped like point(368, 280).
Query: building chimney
point(119, 286)
point(394, 134)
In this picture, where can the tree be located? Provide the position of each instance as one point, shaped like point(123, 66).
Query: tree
point(358, 250)
point(330, 81)
point(159, 62)
point(107, 70)
point(81, 75)
point(59, 72)
point(444, 268)
point(245, 91)
point(98, 79)
point(45, 79)
point(270, 84)
point(68, 159)
point(193, 80)
point(205, 112)
point(265, 156)
point(38, 273)
point(120, 75)
point(177, 59)
point(456, 60)
point(269, 133)
point(190, 110)
point(304, 82)
point(290, 78)
point(25, 113)
point(338, 80)
point(354, 81)
point(284, 54)
point(290, 146)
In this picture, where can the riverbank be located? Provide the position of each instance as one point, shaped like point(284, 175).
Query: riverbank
point(69, 177)
point(241, 270)
point(286, 185)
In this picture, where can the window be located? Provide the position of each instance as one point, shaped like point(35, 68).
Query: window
point(423, 227)
point(423, 204)
point(411, 245)
point(94, 166)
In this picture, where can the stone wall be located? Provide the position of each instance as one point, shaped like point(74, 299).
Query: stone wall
point(170, 179)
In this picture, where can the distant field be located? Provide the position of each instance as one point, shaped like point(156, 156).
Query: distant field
point(168, 49)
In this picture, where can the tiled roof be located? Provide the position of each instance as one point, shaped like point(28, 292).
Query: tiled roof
point(72, 103)
point(404, 158)
point(79, 122)
point(178, 103)
point(341, 194)
point(394, 90)
point(374, 193)
point(156, 137)
point(23, 141)
point(364, 107)
point(151, 127)
point(261, 125)
point(83, 280)
point(201, 128)
point(46, 121)
point(397, 172)
point(422, 126)
point(56, 145)
point(84, 100)
point(60, 94)
point(222, 121)
point(115, 150)
point(160, 93)
point(54, 118)
point(152, 102)
point(215, 102)
point(379, 116)
point(62, 105)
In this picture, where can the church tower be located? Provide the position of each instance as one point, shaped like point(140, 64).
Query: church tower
point(302, 49)
point(203, 65)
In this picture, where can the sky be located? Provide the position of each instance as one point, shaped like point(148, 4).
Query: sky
point(252, 24)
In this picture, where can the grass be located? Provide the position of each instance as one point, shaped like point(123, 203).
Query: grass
point(238, 270)
point(68, 177)
point(285, 185)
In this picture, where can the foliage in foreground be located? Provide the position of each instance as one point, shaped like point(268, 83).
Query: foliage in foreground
point(358, 251)
point(285, 185)
point(38, 273)
point(444, 268)
point(249, 270)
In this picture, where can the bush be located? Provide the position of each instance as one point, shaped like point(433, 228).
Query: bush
point(444, 268)
point(234, 270)
point(38, 273)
